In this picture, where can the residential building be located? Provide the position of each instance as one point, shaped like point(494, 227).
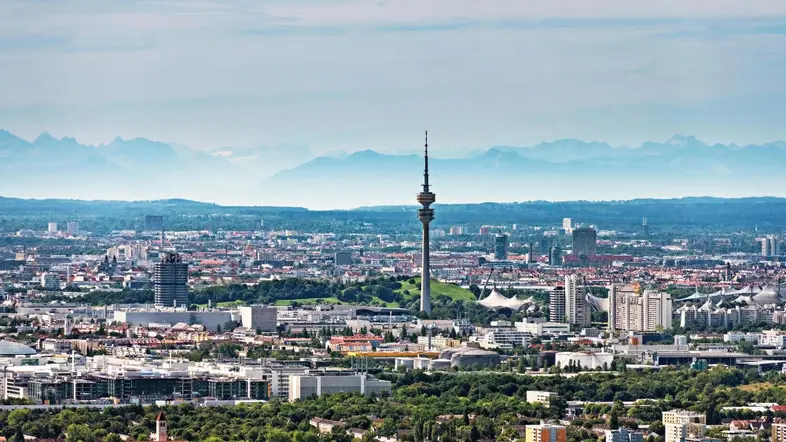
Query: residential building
point(634, 309)
point(568, 304)
point(624, 435)
point(545, 433)
point(682, 424)
point(772, 338)
point(778, 432)
point(540, 397)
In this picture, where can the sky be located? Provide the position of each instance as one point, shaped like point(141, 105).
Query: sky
point(350, 75)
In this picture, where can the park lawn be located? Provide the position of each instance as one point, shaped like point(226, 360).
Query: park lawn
point(437, 288)
point(755, 386)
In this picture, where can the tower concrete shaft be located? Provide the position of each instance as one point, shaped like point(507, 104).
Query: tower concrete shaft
point(426, 214)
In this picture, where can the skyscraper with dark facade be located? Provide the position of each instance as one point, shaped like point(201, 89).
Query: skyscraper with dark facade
point(426, 214)
point(585, 241)
point(170, 277)
point(501, 247)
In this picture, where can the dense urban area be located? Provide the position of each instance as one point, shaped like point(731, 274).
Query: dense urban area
point(541, 322)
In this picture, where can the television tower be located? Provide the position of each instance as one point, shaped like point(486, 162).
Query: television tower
point(426, 214)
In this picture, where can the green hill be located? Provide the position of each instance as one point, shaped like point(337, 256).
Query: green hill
point(437, 288)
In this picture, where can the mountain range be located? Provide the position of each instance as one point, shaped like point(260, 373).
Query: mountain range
point(291, 175)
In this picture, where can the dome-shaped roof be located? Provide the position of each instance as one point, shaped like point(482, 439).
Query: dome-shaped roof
point(8, 348)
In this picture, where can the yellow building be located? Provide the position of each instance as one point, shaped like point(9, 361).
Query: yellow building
point(546, 433)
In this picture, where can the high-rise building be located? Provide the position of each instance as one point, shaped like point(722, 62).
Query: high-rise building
point(485, 230)
point(681, 424)
point(555, 256)
point(72, 227)
point(501, 242)
point(585, 241)
point(426, 214)
point(624, 435)
point(567, 225)
point(170, 279)
point(577, 308)
point(343, 258)
point(545, 433)
point(154, 223)
point(52, 227)
point(770, 246)
point(634, 309)
point(568, 304)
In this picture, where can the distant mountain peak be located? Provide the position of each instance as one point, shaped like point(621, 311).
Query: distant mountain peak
point(44, 137)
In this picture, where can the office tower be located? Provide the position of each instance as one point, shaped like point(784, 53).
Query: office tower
point(555, 256)
point(154, 223)
point(343, 258)
point(531, 253)
point(545, 433)
point(501, 247)
point(624, 435)
point(426, 214)
point(584, 241)
point(52, 228)
point(634, 309)
point(567, 225)
point(170, 277)
point(72, 227)
point(682, 423)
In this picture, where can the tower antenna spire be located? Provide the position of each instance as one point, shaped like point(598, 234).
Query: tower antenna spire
point(425, 171)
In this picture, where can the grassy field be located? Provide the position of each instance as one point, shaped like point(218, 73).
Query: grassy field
point(437, 288)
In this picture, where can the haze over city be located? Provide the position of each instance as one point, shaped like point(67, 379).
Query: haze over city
point(353, 75)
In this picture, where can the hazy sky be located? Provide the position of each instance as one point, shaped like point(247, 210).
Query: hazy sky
point(341, 74)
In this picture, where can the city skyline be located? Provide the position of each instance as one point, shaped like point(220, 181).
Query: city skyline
point(313, 74)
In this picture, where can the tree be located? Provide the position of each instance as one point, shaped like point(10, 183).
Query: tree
point(614, 421)
point(113, 437)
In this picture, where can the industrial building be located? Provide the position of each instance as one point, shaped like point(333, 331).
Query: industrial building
point(210, 319)
point(258, 317)
point(304, 386)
